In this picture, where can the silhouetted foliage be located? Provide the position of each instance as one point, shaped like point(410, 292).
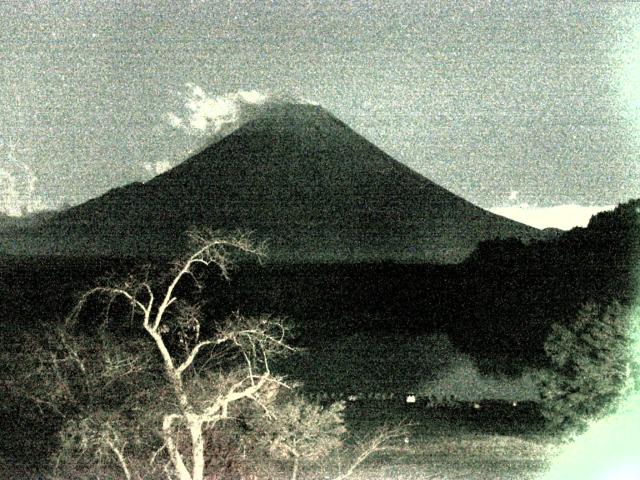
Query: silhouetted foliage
point(592, 366)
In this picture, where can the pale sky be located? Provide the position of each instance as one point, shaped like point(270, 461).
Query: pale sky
point(564, 217)
point(484, 98)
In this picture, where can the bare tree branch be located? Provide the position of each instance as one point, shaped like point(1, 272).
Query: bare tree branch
point(378, 442)
point(194, 352)
point(121, 460)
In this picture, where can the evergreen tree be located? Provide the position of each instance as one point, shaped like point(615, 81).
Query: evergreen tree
point(591, 366)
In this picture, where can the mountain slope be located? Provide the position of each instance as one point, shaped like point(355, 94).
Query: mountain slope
point(297, 177)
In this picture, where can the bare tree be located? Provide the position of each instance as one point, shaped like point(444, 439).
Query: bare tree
point(168, 396)
point(106, 390)
point(255, 338)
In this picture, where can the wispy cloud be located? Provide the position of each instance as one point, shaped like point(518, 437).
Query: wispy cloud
point(158, 167)
point(564, 217)
point(18, 184)
point(174, 120)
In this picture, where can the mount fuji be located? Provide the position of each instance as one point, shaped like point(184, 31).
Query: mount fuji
point(296, 177)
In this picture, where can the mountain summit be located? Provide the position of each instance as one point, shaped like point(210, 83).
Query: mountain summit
point(297, 177)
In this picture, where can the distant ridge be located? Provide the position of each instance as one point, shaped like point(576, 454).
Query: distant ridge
point(297, 177)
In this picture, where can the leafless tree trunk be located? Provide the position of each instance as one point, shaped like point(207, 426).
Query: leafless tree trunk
point(257, 339)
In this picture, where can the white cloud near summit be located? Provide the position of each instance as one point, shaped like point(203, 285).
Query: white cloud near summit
point(253, 97)
point(208, 114)
point(564, 217)
point(158, 167)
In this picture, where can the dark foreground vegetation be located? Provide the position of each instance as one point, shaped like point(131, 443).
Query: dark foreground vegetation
point(510, 307)
point(498, 440)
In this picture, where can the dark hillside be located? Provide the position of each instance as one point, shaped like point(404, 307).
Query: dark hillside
point(498, 304)
point(514, 292)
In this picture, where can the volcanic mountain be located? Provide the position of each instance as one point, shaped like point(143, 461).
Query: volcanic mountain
point(298, 178)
